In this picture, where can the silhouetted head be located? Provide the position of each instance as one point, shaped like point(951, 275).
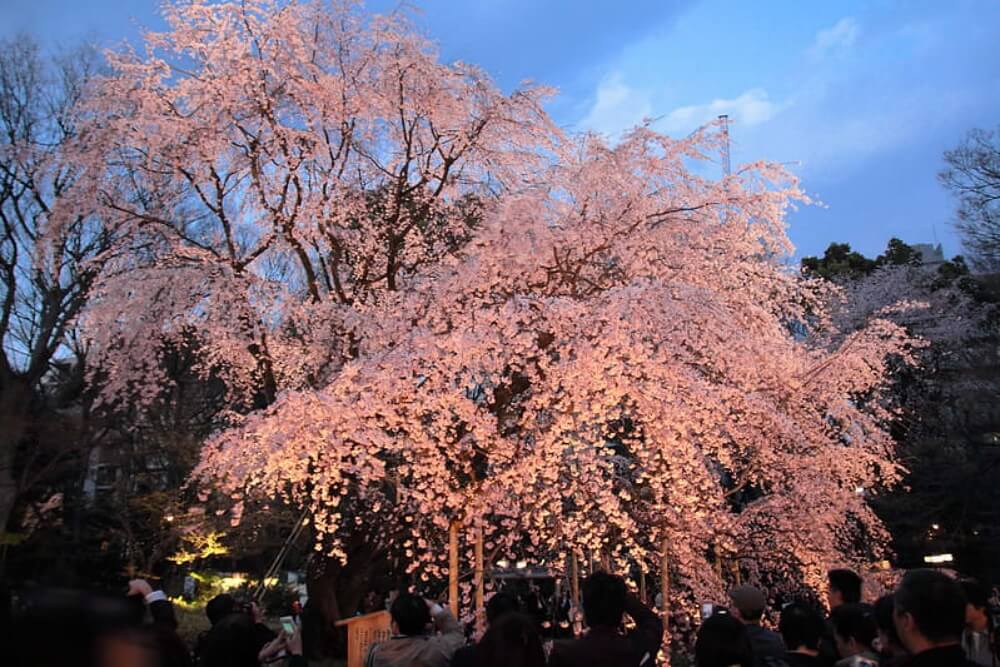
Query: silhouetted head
point(889, 643)
point(603, 600)
point(854, 629)
point(843, 587)
point(749, 602)
point(57, 627)
point(511, 641)
point(501, 604)
point(801, 626)
point(723, 642)
point(410, 613)
point(219, 607)
point(977, 607)
point(929, 610)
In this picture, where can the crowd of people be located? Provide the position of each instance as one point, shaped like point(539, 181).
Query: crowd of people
point(930, 620)
point(70, 628)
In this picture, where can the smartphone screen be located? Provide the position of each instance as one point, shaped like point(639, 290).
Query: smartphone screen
point(288, 625)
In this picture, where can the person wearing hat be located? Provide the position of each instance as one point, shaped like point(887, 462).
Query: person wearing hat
point(749, 603)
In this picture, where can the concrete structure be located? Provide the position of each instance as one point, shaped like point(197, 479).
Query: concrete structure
point(930, 255)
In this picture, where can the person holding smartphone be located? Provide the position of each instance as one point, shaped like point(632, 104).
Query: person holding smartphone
point(411, 644)
point(237, 638)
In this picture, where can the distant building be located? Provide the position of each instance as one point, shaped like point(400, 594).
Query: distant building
point(930, 255)
point(124, 468)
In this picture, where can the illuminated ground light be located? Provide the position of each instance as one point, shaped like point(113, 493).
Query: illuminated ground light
point(936, 559)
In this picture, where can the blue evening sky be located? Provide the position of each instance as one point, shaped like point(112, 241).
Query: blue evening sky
point(863, 97)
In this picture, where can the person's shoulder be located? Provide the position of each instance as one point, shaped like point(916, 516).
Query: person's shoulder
point(566, 646)
point(563, 651)
point(373, 650)
point(464, 656)
point(568, 642)
point(774, 638)
point(858, 661)
point(760, 630)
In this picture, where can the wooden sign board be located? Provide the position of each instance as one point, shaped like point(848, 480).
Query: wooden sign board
point(362, 632)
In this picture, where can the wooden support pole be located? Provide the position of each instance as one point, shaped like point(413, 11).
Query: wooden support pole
point(665, 592)
point(642, 583)
point(574, 581)
point(480, 584)
point(574, 595)
point(453, 567)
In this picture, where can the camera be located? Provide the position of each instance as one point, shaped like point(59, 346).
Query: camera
point(709, 610)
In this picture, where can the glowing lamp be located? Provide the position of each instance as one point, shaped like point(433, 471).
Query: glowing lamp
point(936, 559)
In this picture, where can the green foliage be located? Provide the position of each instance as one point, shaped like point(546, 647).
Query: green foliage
point(898, 253)
point(837, 262)
point(276, 598)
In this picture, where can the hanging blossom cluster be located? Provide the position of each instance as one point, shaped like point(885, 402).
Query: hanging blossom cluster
point(431, 306)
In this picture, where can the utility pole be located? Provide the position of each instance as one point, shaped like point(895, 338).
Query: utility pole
point(726, 165)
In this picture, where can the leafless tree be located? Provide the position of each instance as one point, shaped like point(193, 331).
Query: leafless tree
point(973, 176)
point(52, 245)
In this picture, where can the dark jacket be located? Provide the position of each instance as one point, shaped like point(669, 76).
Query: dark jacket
point(793, 659)
point(606, 647)
point(768, 646)
point(172, 650)
point(234, 641)
point(828, 654)
point(946, 656)
point(464, 657)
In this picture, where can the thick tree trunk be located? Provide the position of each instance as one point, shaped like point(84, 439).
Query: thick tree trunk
point(15, 406)
point(337, 591)
point(323, 577)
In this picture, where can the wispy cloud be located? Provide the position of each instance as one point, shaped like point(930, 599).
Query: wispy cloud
point(617, 107)
point(751, 108)
point(836, 40)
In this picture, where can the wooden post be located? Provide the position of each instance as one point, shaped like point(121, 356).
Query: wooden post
point(574, 581)
point(453, 567)
point(574, 595)
point(480, 584)
point(642, 583)
point(665, 592)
